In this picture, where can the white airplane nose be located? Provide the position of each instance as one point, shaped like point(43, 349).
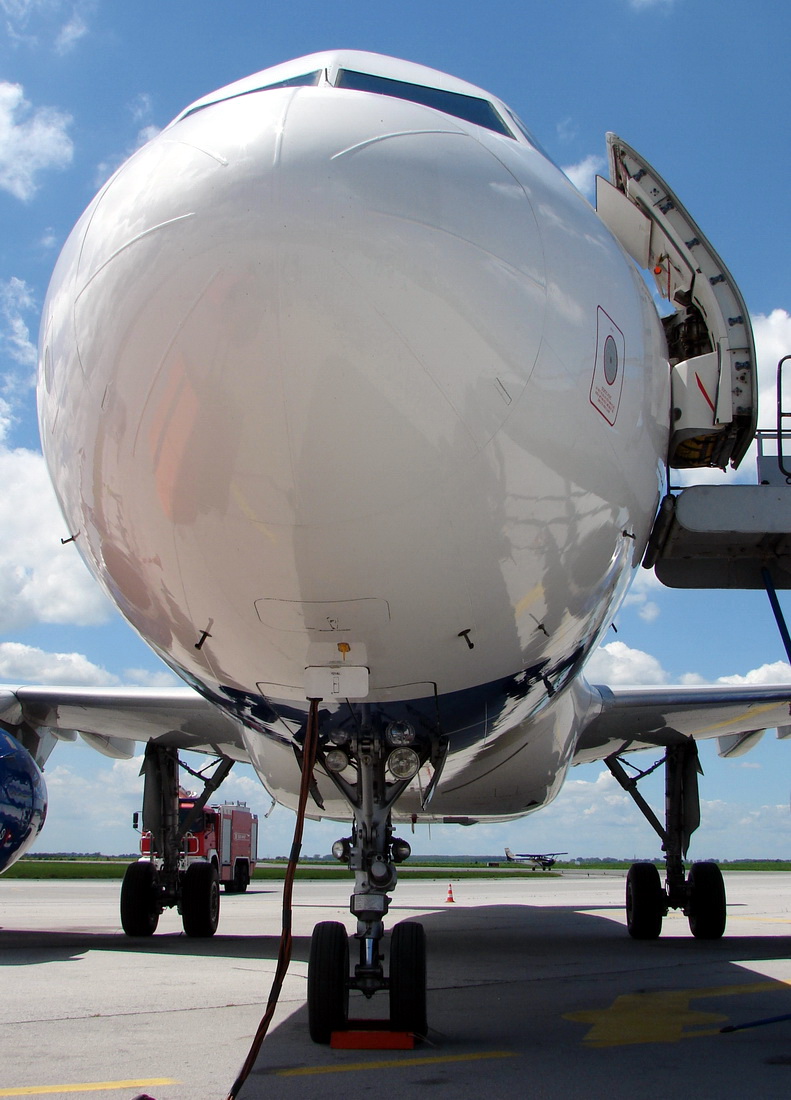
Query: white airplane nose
point(328, 279)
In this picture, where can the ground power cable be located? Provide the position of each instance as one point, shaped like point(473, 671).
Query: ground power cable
point(284, 949)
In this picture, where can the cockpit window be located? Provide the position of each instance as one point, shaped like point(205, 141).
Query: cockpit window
point(470, 108)
point(305, 80)
point(302, 81)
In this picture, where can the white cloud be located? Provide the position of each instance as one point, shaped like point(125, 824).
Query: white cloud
point(644, 585)
point(143, 677)
point(566, 129)
point(29, 22)
point(16, 299)
point(24, 663)
point(71, 33)
point(617, 665)
point(140, 107)
point(31, 142)
point(649, 612)
point(27, 664)
point(779, 672)
point(90, 802)
point(583, 174)
point(772, 341)
point(644, 5)
point(40, 579)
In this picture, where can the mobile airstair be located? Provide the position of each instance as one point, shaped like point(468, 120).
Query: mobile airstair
point(732, 536)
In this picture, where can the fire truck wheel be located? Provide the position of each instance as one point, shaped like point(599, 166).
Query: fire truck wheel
point(241, 878)
point(139, 901)
point(328, 978)
point(200, 900)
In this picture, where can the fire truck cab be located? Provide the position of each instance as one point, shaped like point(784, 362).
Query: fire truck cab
point(225, 836)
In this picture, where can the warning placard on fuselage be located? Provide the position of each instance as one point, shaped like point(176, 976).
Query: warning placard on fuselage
point(605, 394)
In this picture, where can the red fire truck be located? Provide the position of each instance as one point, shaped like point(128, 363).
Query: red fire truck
point(225, 836)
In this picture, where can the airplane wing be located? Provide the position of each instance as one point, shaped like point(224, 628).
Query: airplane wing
point(641, 718)
point(112, 719)
point(626, 719)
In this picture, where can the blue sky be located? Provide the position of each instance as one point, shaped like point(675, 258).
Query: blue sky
point(699, 86)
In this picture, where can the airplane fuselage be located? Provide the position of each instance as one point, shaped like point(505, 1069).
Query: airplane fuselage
point(323, 368)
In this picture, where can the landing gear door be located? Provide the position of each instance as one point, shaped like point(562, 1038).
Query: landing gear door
point(709, 334)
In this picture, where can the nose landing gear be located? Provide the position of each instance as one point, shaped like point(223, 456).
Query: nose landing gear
point(371, 767)
point(701, 895)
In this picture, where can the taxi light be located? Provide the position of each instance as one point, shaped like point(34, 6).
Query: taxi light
point(341, 849)
point(403, 763)
point(401, 850)
point(399, 733)
point(336, 760)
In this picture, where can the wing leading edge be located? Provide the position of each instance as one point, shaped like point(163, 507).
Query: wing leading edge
point(111, 719)
point(640, 718)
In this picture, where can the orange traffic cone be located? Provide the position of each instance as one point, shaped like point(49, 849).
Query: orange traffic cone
point(450, 896)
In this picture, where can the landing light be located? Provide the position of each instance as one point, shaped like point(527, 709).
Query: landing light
point(403, 763)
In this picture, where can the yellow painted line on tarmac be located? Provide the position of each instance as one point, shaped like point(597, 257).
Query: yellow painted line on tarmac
point(766, 920)
point(393, 1063)
point(89, 1086)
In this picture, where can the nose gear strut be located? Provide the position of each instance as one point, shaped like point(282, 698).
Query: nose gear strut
point(373, 777)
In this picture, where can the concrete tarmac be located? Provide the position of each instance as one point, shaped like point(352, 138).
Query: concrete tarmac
point(535, 990)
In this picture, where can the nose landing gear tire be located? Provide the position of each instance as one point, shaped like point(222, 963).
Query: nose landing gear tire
point(328, 981)
point(408, 978)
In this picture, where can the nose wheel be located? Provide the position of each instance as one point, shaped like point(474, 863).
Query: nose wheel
point(408, 978)
point(328, 981)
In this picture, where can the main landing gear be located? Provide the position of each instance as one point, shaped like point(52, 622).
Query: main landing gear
point(152, 885)
point(701, 894)
point(371, 764)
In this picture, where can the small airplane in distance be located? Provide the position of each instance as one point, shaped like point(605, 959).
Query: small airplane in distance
point(543, 860)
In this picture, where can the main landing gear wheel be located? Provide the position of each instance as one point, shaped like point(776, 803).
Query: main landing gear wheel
point(408, 978)
point(328, 981)
point(645, 902)
point(200, 900)
point(139, 900)
point(706, 909)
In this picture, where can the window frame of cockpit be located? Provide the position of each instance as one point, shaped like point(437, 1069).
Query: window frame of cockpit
point(510, 125)
point(388, 85)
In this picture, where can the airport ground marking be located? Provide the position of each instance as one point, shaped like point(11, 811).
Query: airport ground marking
point(394, 1063)
point(88, 1086)
point(662, 1017)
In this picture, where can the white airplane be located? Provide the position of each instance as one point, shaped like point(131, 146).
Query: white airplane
point(539, 861)
point(348, 395)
